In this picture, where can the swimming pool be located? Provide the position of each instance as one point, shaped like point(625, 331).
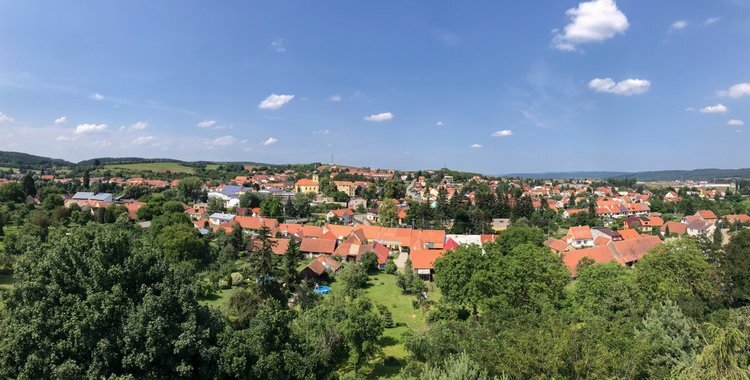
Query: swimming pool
point(322, 289)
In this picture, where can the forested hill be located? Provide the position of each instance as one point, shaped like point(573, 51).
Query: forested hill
point(25, 160)
point(658, 175)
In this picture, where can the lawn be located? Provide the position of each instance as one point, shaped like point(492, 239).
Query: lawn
point(219, 300)
point(212, 166)
point(383, 290)
point(152, 166)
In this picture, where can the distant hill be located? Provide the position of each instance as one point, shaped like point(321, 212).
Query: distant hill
point(569, 175)
point(658, 175)
point(30, 161)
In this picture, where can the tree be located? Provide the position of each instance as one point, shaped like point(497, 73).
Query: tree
point(123, 312)
point(238, 238)
point(215, 204)
point(353, 279)
point(12, 192)
point(678, 271)
point(271, 207)
point(29, 187)
point(181, 242)
point(514, 236)
point(262, 262)
point(86, 179)
point(458, 366)
point(362, 330)
point(190, 189)
point(369, 261)
point(388, 214)
point(736, 268)
point(250, 200)
point(408, 280)
point(289, 265)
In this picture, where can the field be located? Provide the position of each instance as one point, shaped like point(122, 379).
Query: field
point(382, 289)
point(152, 166)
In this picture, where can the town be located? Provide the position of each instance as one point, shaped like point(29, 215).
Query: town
point(329, 224)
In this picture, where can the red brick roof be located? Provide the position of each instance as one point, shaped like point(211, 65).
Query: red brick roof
point(706, 214)
point(675, 228)
point(634, 249)
point(424, 258)
point(317, 246)
point(600, 255)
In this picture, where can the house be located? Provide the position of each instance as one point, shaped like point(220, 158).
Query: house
point(423, 261)
point(89, 196)
point(625, 252)
point(346, 187)
point(133, 206)
point(500, 224)
point(644, 222)
point(356, 203)
point(557, 245)
point(320, 267)
point(676, 228)
point(737, 218)
point(305, 185)
point(255, 223)
point(628, 234)
point(317, 247)
point(707, 216)
point(699, 227)
point(344, 215)
point(219, 218)
point(605, 233)
point(579, 237)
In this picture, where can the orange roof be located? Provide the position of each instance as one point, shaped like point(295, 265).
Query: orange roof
point(255, 223)
point(675, 228)
point(634, 249)
point(628, 233)
point(290, 228)
point(317, 246)
point(424, 258)
point(306, 182)
point(311, 231)
point(321, 263)
point(338, 231)
point(602, 254)
point(342, 211)
point(706, 214)
point(133, 208)
point(580, 232)
point(556, 244)
point(737, 218)
point(601, 240)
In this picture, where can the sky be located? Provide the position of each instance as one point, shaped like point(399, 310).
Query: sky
point(485, 86)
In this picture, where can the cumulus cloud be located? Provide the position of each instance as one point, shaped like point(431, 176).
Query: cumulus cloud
point(625, 87)
point(96, 96)
point(279, 45)
point(439, 123)
point(718, 108)
point(503, 133)
point(711, 20)
point(83, 129)
point(5, 118)
point(736, 91)
point(270, 141)
point(275, 101)
point(736, 122)
point(378, 117)
point(335, 98)
point(475, 146)
point(592, 21)
point(139, 125)
point(224, 140)
point(677, 25)
point(61, 120)
point(206, 124)
point(143, 140)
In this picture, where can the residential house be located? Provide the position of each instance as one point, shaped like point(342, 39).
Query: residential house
point(579, 237)
point(305, 185)
point(220, 218)
point(423, 261)
point(675, 228)
point(319, 268)
point(316, 247)
point(344, 215)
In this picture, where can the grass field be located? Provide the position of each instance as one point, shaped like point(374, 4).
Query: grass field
point(152, 166)
point(382, 289)
point(212, 166)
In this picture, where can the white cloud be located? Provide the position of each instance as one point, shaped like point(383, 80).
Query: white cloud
point(224, 140)
point(677, 25)
point(143, 140)
point(96, 96)
point(61, 120)
point(592, 21)
point(736, 91)
point(711, 20)
point(439, 123)
point(475, 146)
point(139, 125)
point(206, 124)
point(718, 108)
point(503, 133)
point(335, 98)
point(322, 132)
point(82, 129)
point(270, 141)
point(102, 143)
point(5, 118)
point(66, 139)
point(378, 117)
point(274, 101)
point(625, 87)
point(735, 122)
point(279, 45)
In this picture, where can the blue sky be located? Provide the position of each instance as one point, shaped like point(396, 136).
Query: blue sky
point(494, 87)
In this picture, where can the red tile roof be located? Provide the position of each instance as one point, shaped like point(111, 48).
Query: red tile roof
point(628, 233)
point(706, 214)
point(600, 255)
point(317, 246)
point(634, 249)
point(424, 258)
point(675, 228)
